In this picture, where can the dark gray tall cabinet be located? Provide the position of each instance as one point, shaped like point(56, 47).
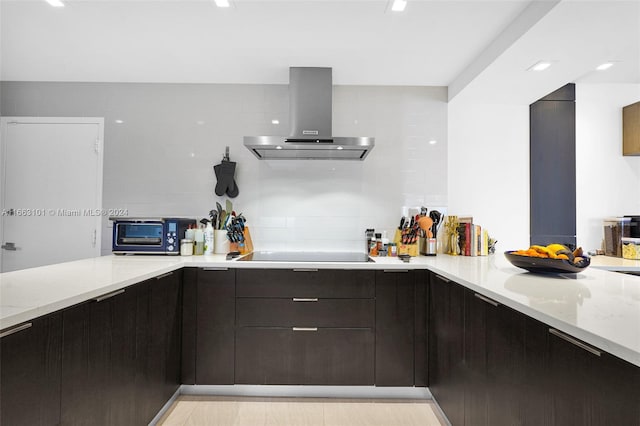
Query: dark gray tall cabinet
point(553, 168)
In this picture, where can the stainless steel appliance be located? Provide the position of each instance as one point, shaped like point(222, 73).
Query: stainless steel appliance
point(304, 256)
point(135, 235)
point(310, 136)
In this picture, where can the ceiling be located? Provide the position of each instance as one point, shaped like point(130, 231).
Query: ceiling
point(473, 46)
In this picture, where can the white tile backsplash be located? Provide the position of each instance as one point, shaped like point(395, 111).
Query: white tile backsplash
point(159, 162)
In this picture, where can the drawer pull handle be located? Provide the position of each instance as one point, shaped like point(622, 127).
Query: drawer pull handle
point(446, 280)
point(486, 299)
point(305, 299)
point(108, 295)
point(9, 332)
point(215, 269)
point(305, 328)
point(395, 270)
point(159, 277)
point(574, 342)
point(305, 270)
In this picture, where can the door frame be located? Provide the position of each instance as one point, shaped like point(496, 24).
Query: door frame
point(99, 121)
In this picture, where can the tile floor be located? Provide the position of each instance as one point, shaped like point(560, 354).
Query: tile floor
point(245, 411)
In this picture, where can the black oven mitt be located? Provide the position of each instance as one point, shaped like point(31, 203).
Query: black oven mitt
point(226, 182)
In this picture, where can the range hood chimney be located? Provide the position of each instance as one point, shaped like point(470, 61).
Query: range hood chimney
point(310, 136)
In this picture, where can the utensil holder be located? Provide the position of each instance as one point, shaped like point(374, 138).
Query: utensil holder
point(220, 242)
point(428, 246)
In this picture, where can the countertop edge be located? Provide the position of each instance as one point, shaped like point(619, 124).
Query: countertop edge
point(28, 313)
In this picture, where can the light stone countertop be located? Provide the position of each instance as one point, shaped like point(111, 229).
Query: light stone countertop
point(597, 306)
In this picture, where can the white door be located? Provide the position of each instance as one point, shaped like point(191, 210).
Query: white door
point(51, 190)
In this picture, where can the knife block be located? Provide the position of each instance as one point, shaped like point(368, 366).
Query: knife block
point(410, 249)
point(397, 237)
point(248, 244)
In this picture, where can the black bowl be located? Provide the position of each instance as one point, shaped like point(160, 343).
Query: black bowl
point(546, 265)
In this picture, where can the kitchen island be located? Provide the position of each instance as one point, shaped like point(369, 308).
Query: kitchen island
point(230, 306)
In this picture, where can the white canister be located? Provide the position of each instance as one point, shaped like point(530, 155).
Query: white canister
point(220, 241)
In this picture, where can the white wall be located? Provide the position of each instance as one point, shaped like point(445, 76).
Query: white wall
point(608, 183)
point(159, 161)
point(489, 164)
point(488, 168)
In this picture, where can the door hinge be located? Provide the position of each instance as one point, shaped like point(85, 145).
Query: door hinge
point(97, 146)
point(95, 237)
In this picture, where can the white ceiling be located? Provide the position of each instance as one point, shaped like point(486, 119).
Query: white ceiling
point(432, 43)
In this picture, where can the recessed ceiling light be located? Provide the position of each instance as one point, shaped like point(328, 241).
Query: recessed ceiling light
point(604, 66)
point(340, 147)
point(55, 3)
point(222, 3)
point(275, 121)
point(433, 142)
point(539, 66)
point(119, 121)
point(399, 5)
point(278, 147)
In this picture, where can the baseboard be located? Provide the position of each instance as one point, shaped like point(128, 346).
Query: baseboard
point(308, 391)
point(439, 413)
point(165, 407)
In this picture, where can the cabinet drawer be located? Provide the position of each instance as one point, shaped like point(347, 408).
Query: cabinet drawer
point(333, 356)
point(305, 313)
point(303, 283)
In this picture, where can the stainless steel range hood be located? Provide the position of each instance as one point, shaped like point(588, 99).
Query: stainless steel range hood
point(310, 137)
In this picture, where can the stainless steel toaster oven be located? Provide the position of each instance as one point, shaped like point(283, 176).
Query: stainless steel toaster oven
point(134, 235)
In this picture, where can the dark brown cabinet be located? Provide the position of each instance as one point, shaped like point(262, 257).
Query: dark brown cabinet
point(164, 339)
point(421, 329)
point(86, 356)
point(215, 327)
point(304, 356)
point(498, 380)
point(289, 283)
point(305, 327)
point(591, 387)
point(395, 328)
point(30, 372)
point(446, 347)
point(488, 363)
point(491, 365)
point(121, 354)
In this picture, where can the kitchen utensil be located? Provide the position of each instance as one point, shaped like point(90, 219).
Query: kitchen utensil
point(218, 223)
point(436, 216)
point(213, 214)
point(426, 224)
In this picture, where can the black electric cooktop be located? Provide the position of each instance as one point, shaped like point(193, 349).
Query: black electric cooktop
point(305, 256)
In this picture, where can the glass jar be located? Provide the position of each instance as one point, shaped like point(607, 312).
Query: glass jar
point(186, 247)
